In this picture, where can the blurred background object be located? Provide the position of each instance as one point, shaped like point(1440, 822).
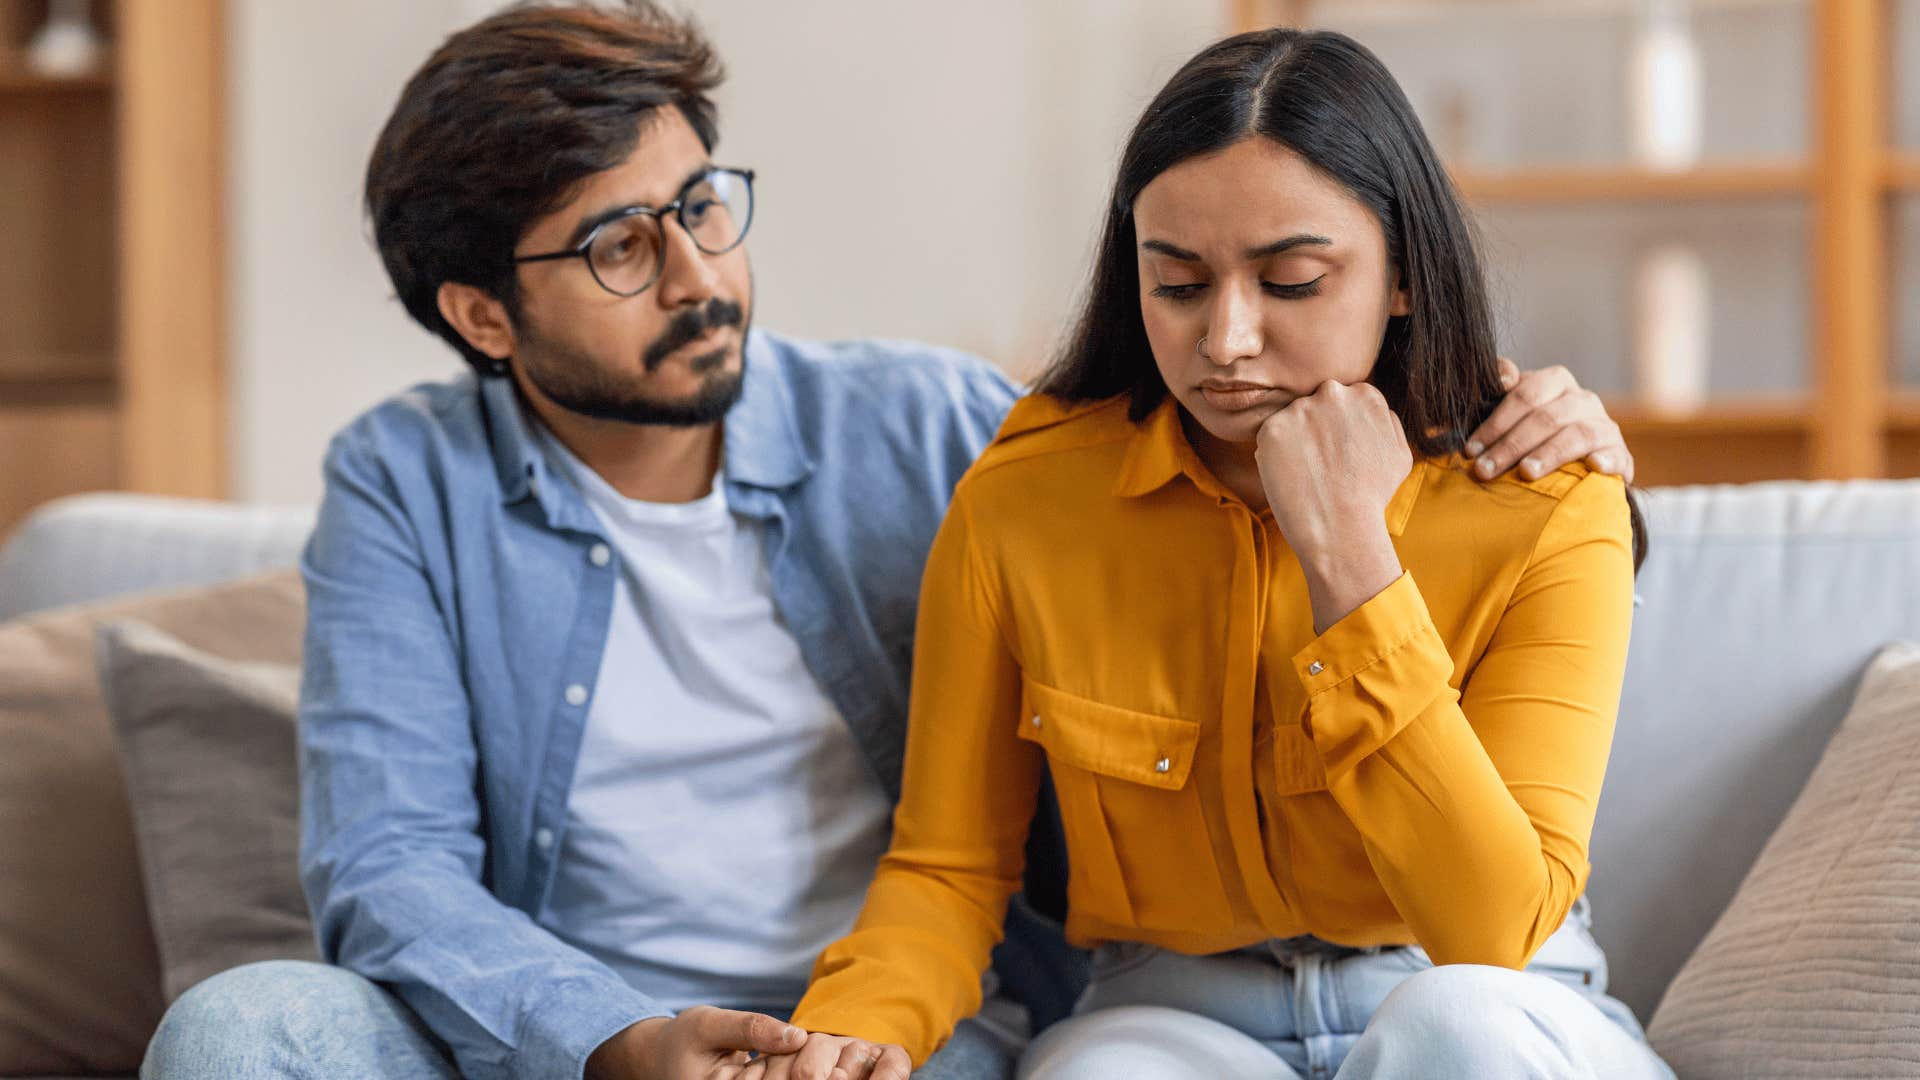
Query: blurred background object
point(112, 284)
point(1672, 189)
point(1708, 209)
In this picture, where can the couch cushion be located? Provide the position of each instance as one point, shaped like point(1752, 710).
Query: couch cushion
point(1764, 603)
point(79, 977)
point(207, 748)
point(1816, 962)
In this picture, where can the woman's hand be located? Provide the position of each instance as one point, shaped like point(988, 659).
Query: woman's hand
point(834, 1057)
point(1545, 421)
point(1330, 463)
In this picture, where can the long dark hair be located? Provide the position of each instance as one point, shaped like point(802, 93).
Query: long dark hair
point(1330, 100)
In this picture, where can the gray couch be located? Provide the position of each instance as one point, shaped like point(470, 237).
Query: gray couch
point(1759, 607)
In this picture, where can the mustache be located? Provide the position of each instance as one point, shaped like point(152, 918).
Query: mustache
point(687, 326)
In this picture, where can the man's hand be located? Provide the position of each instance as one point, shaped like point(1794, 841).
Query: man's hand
point(1546, 421)
point(834, 1057)
point(702, 1043)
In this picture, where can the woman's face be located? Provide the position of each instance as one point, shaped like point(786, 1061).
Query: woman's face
point(1281, 270)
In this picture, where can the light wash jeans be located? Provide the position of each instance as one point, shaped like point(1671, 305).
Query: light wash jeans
point(293, 1019)
point(1305, 1009)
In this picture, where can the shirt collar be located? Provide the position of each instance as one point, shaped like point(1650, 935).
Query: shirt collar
point(762, 433)
point(1159, 452)
point(763, 444)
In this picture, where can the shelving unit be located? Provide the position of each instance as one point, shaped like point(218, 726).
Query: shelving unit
point(111, 335)
point(1627, 184)
point(1852, 420)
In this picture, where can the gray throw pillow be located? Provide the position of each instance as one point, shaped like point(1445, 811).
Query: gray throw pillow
point(207, 748)
point(1814, 968)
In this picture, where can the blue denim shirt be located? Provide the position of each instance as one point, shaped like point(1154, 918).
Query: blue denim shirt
point(457, 620)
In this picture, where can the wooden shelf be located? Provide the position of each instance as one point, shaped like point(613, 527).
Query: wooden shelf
point(1903, 410)
point(39, 395)
point(55, 368)
point(1786, 413)
point(23, 82)
point(1903, 171)
point(1630, 184)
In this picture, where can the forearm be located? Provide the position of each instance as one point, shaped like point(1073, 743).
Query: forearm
point(1469, 871)
point(1482, 865)
point(911, 968)
point(508, 997)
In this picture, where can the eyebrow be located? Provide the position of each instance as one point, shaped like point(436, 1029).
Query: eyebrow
point(1252, 254)
point(599, 218)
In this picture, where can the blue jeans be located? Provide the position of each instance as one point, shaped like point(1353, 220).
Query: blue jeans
point(293, 1019)
point(1305, 1009)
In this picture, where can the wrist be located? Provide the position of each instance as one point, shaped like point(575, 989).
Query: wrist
point(1332, 547)
point(1342, 579)
point(629, 1054)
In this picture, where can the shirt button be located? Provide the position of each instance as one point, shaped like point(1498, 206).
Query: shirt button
point(1036, 721)
point(1315, 668)
point(600, 555)
point(576, 694)
point(543, 839)
point(1163, 765)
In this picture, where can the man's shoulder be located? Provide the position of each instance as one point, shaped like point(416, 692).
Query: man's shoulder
point(429, 420)
point(904, 371)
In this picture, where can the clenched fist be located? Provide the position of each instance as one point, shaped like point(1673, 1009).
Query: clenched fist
point(1330, 463)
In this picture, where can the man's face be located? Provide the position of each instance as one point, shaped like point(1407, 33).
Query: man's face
point(673, 354)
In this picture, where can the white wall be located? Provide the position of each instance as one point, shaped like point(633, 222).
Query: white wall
point(927, 170)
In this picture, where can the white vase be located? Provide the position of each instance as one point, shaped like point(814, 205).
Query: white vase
point(1663, 85)
point(1673, 328)
point(67, 46)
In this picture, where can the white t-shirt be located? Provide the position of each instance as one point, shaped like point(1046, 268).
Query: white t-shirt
point(723, 827)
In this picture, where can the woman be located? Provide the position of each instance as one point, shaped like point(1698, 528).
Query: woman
point(1322, 711)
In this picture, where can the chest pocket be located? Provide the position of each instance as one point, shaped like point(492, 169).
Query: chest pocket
point(1138, 849)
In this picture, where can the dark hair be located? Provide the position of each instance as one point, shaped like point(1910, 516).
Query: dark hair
point(504, 122)
point(1330, 100)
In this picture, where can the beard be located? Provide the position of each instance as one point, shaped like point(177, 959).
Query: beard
point(577, 382)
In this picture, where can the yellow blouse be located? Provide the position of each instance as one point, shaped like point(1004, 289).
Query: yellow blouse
point(1098, 605)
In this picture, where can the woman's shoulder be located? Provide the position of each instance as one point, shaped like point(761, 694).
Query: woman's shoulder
point(1043, 432)
point(1572, 501)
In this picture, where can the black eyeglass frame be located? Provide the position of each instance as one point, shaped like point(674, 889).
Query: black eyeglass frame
point(678, 208)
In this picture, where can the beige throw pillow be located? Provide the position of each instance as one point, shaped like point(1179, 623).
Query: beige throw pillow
point(79, 978)
point(1814, 968)
point(208, 750)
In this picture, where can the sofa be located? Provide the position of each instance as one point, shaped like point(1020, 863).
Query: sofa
point(1757, 612)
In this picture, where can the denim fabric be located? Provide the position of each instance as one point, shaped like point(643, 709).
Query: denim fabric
point(458, 599)
point(1310, 1009)
point(293, 1020)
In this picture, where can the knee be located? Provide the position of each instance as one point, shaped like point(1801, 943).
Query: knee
point(1474, 1017)
point(237, 1022)
point(1144, 1042)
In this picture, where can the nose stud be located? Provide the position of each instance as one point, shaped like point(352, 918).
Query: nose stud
point(1202, 347)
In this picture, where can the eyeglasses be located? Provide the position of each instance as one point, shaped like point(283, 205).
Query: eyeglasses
point(625, 252)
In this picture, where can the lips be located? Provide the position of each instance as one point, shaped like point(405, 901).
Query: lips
point(1231, 396)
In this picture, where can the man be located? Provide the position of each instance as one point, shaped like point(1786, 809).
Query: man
point(607, 656)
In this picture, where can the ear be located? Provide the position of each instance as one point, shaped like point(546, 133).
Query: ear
point(1402, 298)
point(479, 316)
